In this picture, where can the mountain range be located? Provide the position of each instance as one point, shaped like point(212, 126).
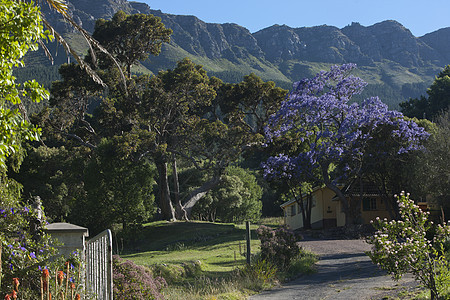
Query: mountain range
point(396, 64)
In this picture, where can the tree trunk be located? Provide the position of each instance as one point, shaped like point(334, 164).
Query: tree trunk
point(180, 213)
point(388, 200)
point(433, 288)
point(357, 211)
point(306, 220)
point(198, 194)
point(309, 209)
point(165, 204)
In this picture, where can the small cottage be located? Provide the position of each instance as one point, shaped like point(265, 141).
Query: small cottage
point(327, 211)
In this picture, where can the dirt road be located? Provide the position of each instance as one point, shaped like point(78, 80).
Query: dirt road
point(343, 272)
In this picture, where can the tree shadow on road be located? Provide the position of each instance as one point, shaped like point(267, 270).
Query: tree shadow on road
point(342, 266)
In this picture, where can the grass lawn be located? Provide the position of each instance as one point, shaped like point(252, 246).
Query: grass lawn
point(219, 247)
point(209, 254)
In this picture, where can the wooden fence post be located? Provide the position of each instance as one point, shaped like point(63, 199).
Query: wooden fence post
point(247, 226)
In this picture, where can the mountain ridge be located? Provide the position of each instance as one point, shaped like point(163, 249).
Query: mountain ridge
point(390, 58)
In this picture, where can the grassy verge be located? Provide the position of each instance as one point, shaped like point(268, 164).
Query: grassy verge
point(203, 260)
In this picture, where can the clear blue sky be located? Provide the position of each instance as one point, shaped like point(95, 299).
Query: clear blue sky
point(419, 16)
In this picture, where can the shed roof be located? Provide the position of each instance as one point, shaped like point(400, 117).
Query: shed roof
point(66, 227)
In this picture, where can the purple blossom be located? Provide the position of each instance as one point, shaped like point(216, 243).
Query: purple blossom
point(332, 128)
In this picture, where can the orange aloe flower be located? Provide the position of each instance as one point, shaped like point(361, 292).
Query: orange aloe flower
point(77, 297)
point(60, 277)
point(45, 274)
point(45, 279)
point(16, 284)
point(72, 286)
point(14, 294)
point(7, 297)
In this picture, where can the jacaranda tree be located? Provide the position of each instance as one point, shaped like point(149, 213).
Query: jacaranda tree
point(335, 135)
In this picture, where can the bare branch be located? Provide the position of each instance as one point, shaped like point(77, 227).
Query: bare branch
point(79, 139)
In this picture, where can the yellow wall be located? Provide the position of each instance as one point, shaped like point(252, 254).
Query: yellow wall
point(321, 203)
point(380, 212)
point(329, 210)
point(367, 216)
point(294, 222)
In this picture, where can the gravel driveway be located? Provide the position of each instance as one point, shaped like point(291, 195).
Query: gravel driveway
point(343, 272)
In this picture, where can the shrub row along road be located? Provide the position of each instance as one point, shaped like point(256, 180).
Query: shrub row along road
point(343, 272)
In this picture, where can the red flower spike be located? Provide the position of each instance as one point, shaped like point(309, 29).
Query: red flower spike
point(16, 284)
point(60, 277)
point(77, 297)
point(14, 295)
point(45, 274)
point(7, 297)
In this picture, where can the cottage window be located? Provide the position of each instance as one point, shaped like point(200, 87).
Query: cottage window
point(293, 210)
point(369, 204)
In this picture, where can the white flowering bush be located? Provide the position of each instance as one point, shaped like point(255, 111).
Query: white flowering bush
point(412, 244)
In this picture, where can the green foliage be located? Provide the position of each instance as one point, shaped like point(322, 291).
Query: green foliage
point(94, 188)
point(61, 277)
point(117, 190)
point(131, 38)
point(428, 170)
point(21, 28)
point(302, 264)
point(260, 274)
point(177, 274)
point(410, 245)
point(23, 243)
point(438, 99)
point(436, 161)
point(251, 102)
point(235, 199)
point(25, 246)
point(171, 273)
point(51, 172)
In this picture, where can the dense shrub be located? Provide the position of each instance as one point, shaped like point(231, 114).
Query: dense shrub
point(135, 282)
point(412, 244)
point(279, 246)
point(235, 199)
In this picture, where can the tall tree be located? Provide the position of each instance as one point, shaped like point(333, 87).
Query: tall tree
point(431, 169)
point(438, 99)
point(131, 38)
point(250, 102)
point(335, 132)
point(174, 102)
